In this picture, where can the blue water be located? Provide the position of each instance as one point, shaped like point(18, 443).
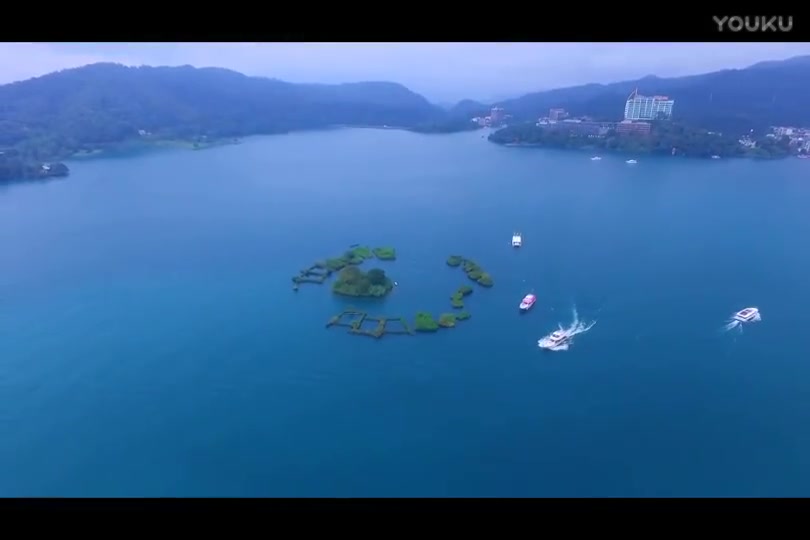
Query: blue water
point(151, 345)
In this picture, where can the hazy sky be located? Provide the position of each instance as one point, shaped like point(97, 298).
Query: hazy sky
point(443, 72)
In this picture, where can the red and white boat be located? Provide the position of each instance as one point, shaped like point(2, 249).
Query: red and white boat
point(527, 302)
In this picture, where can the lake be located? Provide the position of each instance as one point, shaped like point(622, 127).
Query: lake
point(151, 343)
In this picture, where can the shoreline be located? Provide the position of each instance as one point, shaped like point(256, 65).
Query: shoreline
point(618, 152)
point(151, 144)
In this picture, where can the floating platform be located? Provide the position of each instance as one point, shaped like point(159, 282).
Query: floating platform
point(361, 323)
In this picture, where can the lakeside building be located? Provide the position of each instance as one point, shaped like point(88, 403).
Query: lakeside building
point(640, 107)
point(496, 118)
point(557, 114)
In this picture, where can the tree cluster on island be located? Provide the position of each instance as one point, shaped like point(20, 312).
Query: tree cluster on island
point(352, 281)
point(322, 270)
point(457, 298)
point(385, 253)
point(472, 269)
point(665, 138)
point(13, 166)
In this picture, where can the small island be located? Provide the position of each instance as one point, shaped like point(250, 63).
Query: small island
point(457, 298)
point(352, 281)
point(472, 269)
point(455, 260)
point(447, 320)
point(320, 271)
point(354, 256)
point(16, 166)
point(425, 322)
point(385, 253)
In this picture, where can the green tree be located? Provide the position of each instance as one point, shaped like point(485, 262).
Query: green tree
point(377, 276)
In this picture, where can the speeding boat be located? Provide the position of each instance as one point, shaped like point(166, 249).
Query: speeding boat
point(746, 315)
point(555, 339)
point(631, 161)
point(527, 302)
point(596, 158)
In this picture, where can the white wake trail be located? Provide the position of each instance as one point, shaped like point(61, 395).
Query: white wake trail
point(734, 323)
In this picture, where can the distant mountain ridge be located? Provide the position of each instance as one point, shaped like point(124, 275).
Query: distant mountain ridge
point(57, 114)
point(96, 106)
point(735, 100)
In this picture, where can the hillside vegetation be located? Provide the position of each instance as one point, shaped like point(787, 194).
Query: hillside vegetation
point(92, 107)
point(733, 101)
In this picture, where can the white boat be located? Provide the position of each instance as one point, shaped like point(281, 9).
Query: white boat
point(596, 158)
point(715, 156)
point(746, 315)
point(517, 240)
point(553, 340)
point(527, 302)
point(631, 161)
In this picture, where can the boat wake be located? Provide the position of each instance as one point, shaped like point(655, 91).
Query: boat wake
point(734, 323)
point(576, 327)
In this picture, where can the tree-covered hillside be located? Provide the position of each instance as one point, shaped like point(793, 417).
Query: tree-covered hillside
point(733, 101)
point(87, 108)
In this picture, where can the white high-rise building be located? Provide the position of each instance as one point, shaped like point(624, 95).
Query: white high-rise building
point(640, 107)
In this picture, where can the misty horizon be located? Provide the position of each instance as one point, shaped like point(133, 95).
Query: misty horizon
point(486, 72)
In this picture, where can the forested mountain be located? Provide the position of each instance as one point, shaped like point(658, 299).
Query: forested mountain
point(734, 100)
point(93, 107)
point(86, 108)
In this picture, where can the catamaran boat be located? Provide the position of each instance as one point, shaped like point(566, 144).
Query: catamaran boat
point(746, 315)
point(517, 240)
point(631, 161)
point(527, 302)
point(596, 158)
point(555, 339)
